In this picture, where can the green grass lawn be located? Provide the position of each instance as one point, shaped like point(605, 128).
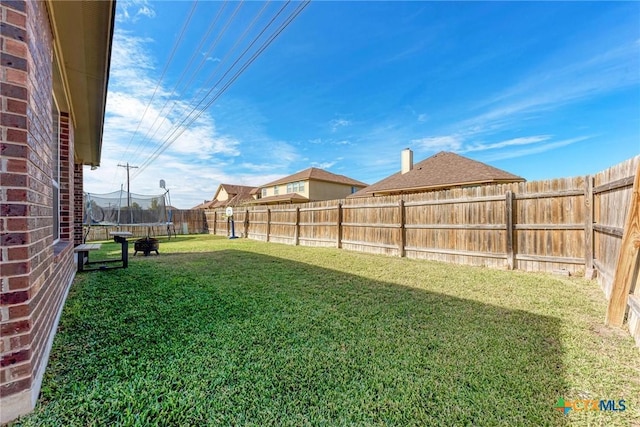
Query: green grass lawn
point(237, 332)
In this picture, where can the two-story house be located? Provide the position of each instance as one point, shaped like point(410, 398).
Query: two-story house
point(309, 185)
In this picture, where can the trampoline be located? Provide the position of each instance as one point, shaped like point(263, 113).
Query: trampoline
point(121, 209)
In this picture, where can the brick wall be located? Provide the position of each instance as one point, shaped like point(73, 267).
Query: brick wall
point(67, 181)
point(77, 204)
point(17, 251)
point(35, 273)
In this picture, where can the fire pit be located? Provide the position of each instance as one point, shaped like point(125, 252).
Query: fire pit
point(146, 245)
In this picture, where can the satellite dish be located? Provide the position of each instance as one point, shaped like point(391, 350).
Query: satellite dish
point(163, 184)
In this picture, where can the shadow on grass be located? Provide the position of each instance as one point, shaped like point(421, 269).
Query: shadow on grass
point(234, 337)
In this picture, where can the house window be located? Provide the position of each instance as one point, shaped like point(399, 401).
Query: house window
point(353, 189)
point(275, 190)
point(264, 192)
point(55, 173)
point(295, 187)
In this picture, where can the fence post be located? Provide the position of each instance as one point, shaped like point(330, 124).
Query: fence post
point(626, 266)
point(296, 232)
point(268, 223)
point(588, 227)
point(246, 223)
point(511, 256)
point(402, 230)
point(215, 222)
point(339, 225)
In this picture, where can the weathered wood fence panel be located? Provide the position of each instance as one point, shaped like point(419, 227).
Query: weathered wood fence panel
point(612, 191)
point(189, 221)
point(258, 221)
point(282, 224)
point(319, 224)
point(549, 223)
point(371, 225)
point(465, 226)
point(617, 223)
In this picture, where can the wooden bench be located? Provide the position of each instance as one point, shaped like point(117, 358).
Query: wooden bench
point(84, 249)
point(83, 253)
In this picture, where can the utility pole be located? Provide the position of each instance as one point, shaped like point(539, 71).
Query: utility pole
point(128, 192)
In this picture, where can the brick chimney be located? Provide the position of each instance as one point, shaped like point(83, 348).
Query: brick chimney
point(407, 160)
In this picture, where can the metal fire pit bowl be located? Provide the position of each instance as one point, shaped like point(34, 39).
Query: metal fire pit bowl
point(146, 245)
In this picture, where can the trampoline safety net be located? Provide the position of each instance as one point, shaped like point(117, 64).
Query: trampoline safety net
point(122, 208)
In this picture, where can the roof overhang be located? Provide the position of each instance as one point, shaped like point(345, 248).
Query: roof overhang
point(83, 35)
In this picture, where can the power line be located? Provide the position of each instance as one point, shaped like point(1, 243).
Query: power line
point(213, 73)
point(214, 44)
point(171, 138)
point(171, 55)
point(183, 74)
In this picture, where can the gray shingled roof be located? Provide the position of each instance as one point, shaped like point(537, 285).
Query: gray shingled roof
point(442, 170)
point(315, 174)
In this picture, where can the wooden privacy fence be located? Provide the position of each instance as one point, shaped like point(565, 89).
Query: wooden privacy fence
point(183, 222)
point(571, 225)
point(531, 226)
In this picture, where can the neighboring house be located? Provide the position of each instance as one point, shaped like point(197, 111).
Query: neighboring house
point(229, 195)
point(232, 195)
point(441, 171)
point(309, 185)
point(53, 80)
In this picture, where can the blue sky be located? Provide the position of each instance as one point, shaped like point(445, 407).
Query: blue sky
point(541, 90)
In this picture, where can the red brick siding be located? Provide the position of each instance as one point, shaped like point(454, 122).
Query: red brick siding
point(66, 179)
point(35, 275)
point(16, 250)
point(78, 208)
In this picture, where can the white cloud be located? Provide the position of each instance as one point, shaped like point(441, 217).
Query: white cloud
point(503, 144)
point(146, 11)
point(132, 10)
point(323, 165)
point(556, 84)
point(336, 124)
point(541, 148)
point(506, 149)
point(258, 167)
point(438, 143)
point(319, 141)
